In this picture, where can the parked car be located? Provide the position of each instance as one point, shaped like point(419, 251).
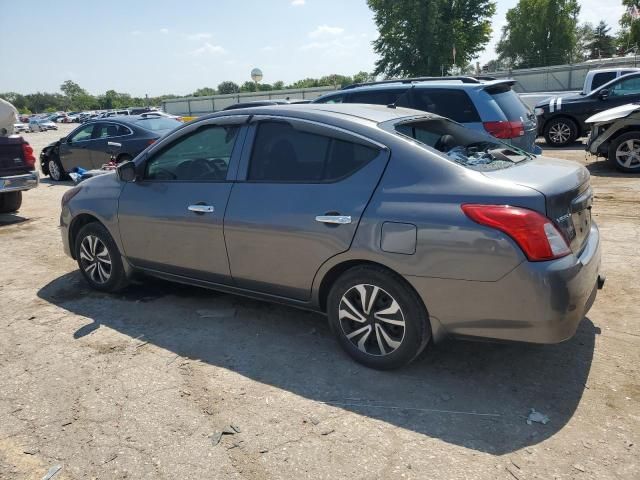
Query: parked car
point(615, 135)
point(256, 103)
point(562, 119)
point(599, 76)
point(157, 113)
point(87, 146)
point(114, 113)
point(41, 124)
point(20, 127)
point(401, 226)
point(485, 105)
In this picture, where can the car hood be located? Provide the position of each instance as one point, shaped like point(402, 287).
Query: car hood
point(614, 113)
point(563, 99)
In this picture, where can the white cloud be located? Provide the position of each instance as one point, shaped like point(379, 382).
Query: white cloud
point(326, 31)
point(135, 33)
point(164, 30)
point(199, 36)
point(267, 48)
point(209, 49)
point(297, 3)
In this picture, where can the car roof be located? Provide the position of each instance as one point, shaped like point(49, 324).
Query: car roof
point(439, 83)
point(372, 113)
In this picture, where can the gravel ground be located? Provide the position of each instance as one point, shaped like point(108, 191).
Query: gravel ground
point(142, 384)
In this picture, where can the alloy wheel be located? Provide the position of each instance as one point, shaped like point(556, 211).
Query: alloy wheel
point(628, 154)
point(95, 259)
point(371, 319)
point(560, 133)
point(54, 170)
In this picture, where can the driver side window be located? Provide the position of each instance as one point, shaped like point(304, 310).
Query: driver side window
point(202, 156)
point(83, 134)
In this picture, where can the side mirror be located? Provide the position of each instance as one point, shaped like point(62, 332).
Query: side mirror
point(603, 94)
point(126, 171)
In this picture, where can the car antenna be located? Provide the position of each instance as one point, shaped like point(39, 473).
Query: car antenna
point(406, 92)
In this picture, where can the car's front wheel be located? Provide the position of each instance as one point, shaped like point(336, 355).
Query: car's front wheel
point(378, 318)
point(624, 152)
point(99, 259)
point(560, 132)
point(55, 168)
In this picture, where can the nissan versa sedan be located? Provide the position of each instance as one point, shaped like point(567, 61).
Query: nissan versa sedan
point(401, 226)
point(88, 146)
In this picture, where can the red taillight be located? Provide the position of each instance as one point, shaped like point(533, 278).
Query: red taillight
point(534, 233)
point(27, 154)
point(504, 129)
point(151, 142)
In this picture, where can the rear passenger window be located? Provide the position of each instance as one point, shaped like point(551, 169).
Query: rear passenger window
point(332, 99)
point(453, 104)
point(282, 153)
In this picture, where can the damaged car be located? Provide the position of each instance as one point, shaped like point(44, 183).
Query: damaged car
point(615, 135)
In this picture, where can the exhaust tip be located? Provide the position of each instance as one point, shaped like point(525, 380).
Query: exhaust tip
point(601, 280)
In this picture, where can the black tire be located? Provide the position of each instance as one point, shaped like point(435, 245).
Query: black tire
point(55, 169)
point(116, 279)
point(375, 351)
point(560, 132)
point(618, 146)
point(10, 202)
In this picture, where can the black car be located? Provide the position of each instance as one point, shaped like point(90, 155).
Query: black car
point(562, 119)
point(87, 146)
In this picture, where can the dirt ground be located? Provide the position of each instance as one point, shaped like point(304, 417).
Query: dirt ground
point(141, 384)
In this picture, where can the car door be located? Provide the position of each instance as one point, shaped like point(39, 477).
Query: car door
point(75, 151)
point(171, 217)
point(103, 133)
point(301, 190)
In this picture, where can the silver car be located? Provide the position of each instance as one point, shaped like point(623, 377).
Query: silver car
point(401, 226)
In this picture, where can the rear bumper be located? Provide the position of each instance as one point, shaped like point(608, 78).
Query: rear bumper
point(16, 183)
point(539, 302)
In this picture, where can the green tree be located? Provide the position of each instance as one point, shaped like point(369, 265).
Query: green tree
point(540, 33)
point(204, 92)
point(279, 85)
point(602, 44)
point(629, 35)
point(248, 87)
point(419, 37)
point(72, 89)
point(584, 37)
point(228, 87)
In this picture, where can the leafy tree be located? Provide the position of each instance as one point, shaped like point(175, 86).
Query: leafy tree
point(419, 37)
point(279, 85)
point(363, 77)
point(584, 37)
point(204, 92)
point(629, 36)
point(305, 83)
point(601, 44)
point(72, 89)
point(539, 33)
point(248, 87)
point(228, 87)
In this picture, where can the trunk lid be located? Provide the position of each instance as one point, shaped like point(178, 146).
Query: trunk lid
point(12, 157)
point(567, 191)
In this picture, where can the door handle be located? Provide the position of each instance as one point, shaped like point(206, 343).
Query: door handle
point(201, 208)
point(334, 219)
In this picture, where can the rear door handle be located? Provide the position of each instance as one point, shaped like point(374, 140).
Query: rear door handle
point(201, 208)
point(334, 219)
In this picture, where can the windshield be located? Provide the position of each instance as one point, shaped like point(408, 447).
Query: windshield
point(158, 123)
point(461, 145)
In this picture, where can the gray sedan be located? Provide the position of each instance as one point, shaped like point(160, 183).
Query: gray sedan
point(402, 227)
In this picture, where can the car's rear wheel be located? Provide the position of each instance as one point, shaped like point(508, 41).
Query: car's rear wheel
point(55, 168)
point(378, 318)
point(10, 202)
point(560, 132)
point(624, 152)
point(99, 259)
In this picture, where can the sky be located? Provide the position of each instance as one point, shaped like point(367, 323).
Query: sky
point(167, 47)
